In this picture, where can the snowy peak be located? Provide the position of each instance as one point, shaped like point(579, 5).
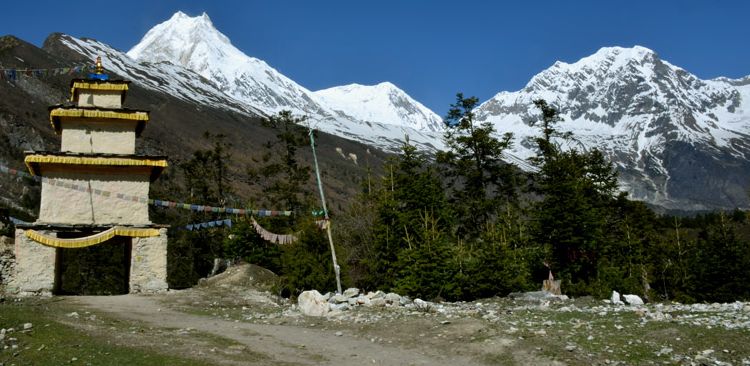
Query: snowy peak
point(194, 43)
point(637, 109)
point(383, 103)
point(183, 40)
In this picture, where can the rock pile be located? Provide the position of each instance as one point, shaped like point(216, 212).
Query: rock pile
point(312, 303)
point(7, 338)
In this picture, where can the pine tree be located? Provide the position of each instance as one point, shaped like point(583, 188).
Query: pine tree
point(481, 182)
point(572, 216)
point(283, 177)
point(410, 193)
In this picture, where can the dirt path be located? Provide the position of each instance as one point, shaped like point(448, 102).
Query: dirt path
point(281, 343)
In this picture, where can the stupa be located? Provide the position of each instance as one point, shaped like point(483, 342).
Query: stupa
point(94, 193)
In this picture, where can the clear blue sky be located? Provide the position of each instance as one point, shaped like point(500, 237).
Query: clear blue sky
point(431, 49)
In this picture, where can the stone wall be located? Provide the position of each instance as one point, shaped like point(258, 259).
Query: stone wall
point(98, 136)
point(62, 205)
point(148, 268)
point(7, 261)
point(35, 267)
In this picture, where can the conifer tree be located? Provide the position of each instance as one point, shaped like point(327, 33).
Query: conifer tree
point(481, 182)
point(285, 177)
point(576, 189)
point(409, 193)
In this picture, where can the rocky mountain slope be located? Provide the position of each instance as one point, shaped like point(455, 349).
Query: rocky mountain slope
point(678, 141)
point(182, 108)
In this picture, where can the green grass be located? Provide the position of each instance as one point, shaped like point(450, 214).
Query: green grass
point(49, 342)
point(623, 337)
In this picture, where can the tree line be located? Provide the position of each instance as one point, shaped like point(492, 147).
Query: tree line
point(463, 224)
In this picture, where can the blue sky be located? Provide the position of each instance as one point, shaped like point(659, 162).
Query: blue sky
point(431, 49)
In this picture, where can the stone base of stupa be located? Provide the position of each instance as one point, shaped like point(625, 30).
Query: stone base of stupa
point(39, 268)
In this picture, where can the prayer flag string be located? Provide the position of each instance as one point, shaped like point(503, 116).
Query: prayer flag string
point(142, 199)
point(14, 74)
point(206, 225)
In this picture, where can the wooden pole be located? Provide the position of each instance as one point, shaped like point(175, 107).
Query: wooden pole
point(336, 268)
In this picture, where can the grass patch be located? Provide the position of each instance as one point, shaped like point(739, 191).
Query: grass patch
point(49, 342)
point(622, 337)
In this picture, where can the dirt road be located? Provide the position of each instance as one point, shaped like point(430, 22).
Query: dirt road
point(282, 344)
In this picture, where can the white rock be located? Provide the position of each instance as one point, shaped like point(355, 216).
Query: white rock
point(393, 297)
point(633, 299)
point(364, 300)
point(340, 307)
point(73, 315)
point(312, 303)
point(378, 302)
point(27, 326)
point(351, 292)
point(615, 298)
point(338, 298)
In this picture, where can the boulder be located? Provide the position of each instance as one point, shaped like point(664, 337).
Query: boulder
point(312, 303)
point(615, 298)
point(378, 302)
point(351, 292)
point(363, 300)
point(633, 299)
point(338, 298)
point(393, 298)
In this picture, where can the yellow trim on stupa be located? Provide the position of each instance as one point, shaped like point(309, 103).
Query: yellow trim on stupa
point(94, 113)
point(82, 160)
point(95, 86)
point(51, 241)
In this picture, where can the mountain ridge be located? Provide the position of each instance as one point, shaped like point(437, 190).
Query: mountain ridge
point(638, 109)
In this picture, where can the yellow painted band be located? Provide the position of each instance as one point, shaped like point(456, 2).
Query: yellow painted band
point(81, 160)
point(96, 86)
point(93, 113)
point(90, 240)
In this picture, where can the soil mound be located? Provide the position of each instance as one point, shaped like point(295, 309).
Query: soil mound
point(243, 275)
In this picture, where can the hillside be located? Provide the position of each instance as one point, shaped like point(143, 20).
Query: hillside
point(176, 128)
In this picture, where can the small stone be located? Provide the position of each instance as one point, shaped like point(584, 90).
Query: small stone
point(339, 334)
point(664, 351)
point(73, 315)
point(570, 348)
point(27, 326)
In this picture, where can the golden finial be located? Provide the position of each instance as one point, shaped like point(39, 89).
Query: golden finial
point(99, 67)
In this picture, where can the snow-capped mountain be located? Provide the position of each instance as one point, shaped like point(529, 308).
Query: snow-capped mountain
point(380, 103)
point(195, 44)
point(678, 141)
point(671, 134)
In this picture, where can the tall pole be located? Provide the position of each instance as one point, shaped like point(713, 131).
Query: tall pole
point(336, 268)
